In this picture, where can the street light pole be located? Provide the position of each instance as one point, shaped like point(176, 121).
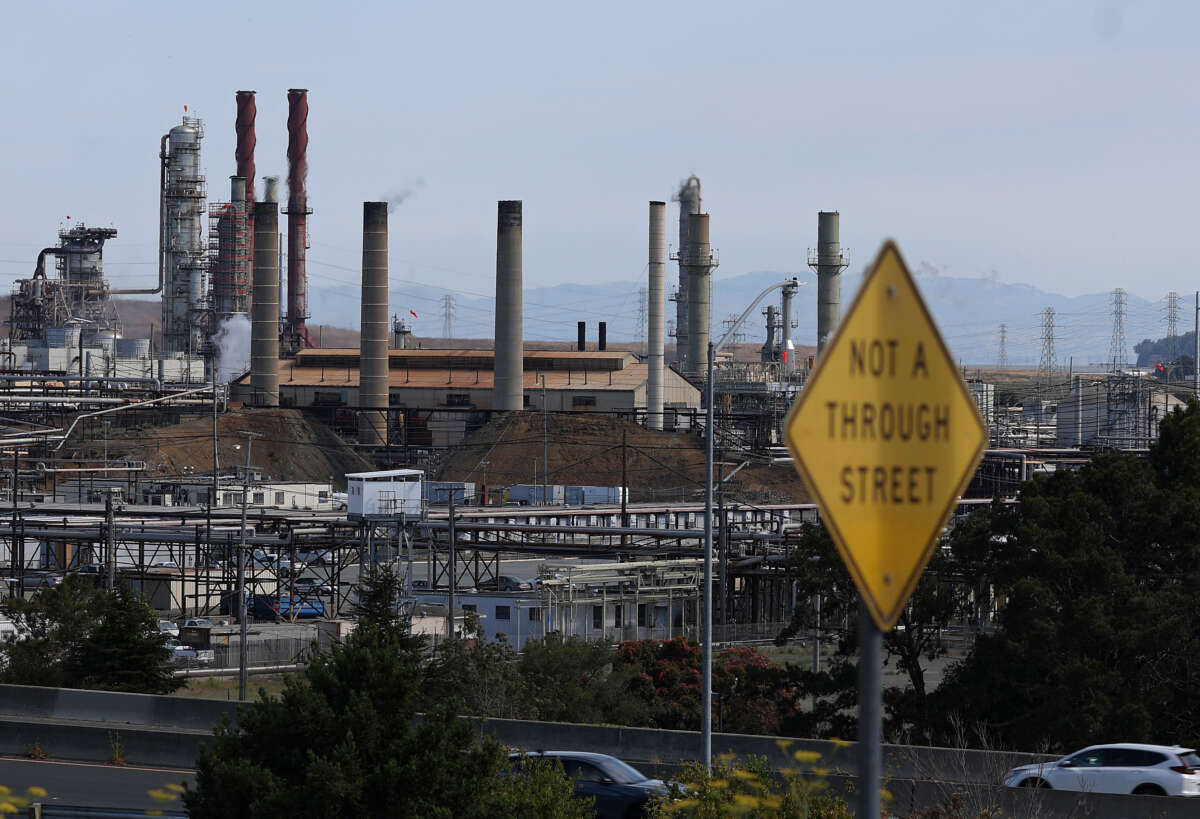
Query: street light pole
point(706, 592)
point(243, 669)
point(545, 448)
point(451, 569)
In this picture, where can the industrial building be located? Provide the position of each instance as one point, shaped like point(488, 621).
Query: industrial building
point(458, 380)
point(1119, 411)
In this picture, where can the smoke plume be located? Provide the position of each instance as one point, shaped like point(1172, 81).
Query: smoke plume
point(232, 341)
point(398, 198)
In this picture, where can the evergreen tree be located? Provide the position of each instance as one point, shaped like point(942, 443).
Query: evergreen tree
point(76, 635)
point(125, 651)
point(345, 739)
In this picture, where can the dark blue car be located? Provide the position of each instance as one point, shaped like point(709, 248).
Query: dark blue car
point(620, 790)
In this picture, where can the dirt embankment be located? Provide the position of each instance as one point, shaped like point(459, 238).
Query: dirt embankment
point(590, 450)
point(292, 446)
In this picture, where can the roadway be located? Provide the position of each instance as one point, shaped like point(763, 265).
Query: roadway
point(93, 785)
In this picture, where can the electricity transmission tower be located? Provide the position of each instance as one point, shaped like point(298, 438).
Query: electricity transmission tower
point(1172, 326)
point(1117, 353)
point(1046, 368)
point(1047, 365)
point(448, 316)
point(1002, 359)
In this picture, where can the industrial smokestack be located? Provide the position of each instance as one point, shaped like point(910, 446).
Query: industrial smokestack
point(271, 189)
point(768, 349)
point(654, 332)
point(699, 269)
point(787, 350)
point(508, 392)
point(264, 330)
point(373, 336)
point(297, 213)
point(689, 204)
point(829, 264)
point(602, 336)
point(243, 155)
point(244, 152)
point(581, 336)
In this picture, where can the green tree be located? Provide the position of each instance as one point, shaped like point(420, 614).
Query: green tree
point(76, 635)
point(344, 739)
point(1099, 578)
point(125, 650)
point(818, 571)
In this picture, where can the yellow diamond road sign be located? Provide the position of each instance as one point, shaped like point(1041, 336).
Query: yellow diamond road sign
point(886, 436)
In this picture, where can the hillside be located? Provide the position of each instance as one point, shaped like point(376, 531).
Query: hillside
point(586, 449)
point(293, 446)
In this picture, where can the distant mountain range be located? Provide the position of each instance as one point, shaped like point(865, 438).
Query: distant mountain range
point(969, 311)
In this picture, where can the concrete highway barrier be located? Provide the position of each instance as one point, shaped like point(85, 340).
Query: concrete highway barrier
point(166, 731)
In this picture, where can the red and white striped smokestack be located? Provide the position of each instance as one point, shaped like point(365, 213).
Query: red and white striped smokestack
point(244, 153)
point(297, 212)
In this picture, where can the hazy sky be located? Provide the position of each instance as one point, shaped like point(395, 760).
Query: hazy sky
point(1045, 142)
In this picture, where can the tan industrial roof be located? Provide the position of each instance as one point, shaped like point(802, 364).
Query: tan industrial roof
point(534, 359)
point(627, 378)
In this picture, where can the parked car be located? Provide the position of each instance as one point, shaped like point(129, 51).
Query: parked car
point(1124, 767)
point(198, 622)
point(186, 655)
point(168, 629)
point(620, 790)
point(33, 582)
point(311, 585)
point(271, 607)
point(506, 582)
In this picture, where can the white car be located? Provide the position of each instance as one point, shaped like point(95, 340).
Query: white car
point(1123, 767)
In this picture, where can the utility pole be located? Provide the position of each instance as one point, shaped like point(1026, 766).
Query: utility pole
point(107, 424)
point(216, 481)
point(451, 570)
point(110, 551)
point(484, 464)
point(545, 447)
point(215, 495)
point(243, 670)
point(1196, 355)
point(18, 554)
point(706, 592)
point(624, 490)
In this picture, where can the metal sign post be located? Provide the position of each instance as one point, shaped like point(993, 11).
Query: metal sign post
point(886, 436)
point(870, 716)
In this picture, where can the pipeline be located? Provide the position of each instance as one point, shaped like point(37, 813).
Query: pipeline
point(162, 209)
point(98, 379)
point(135, 466)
